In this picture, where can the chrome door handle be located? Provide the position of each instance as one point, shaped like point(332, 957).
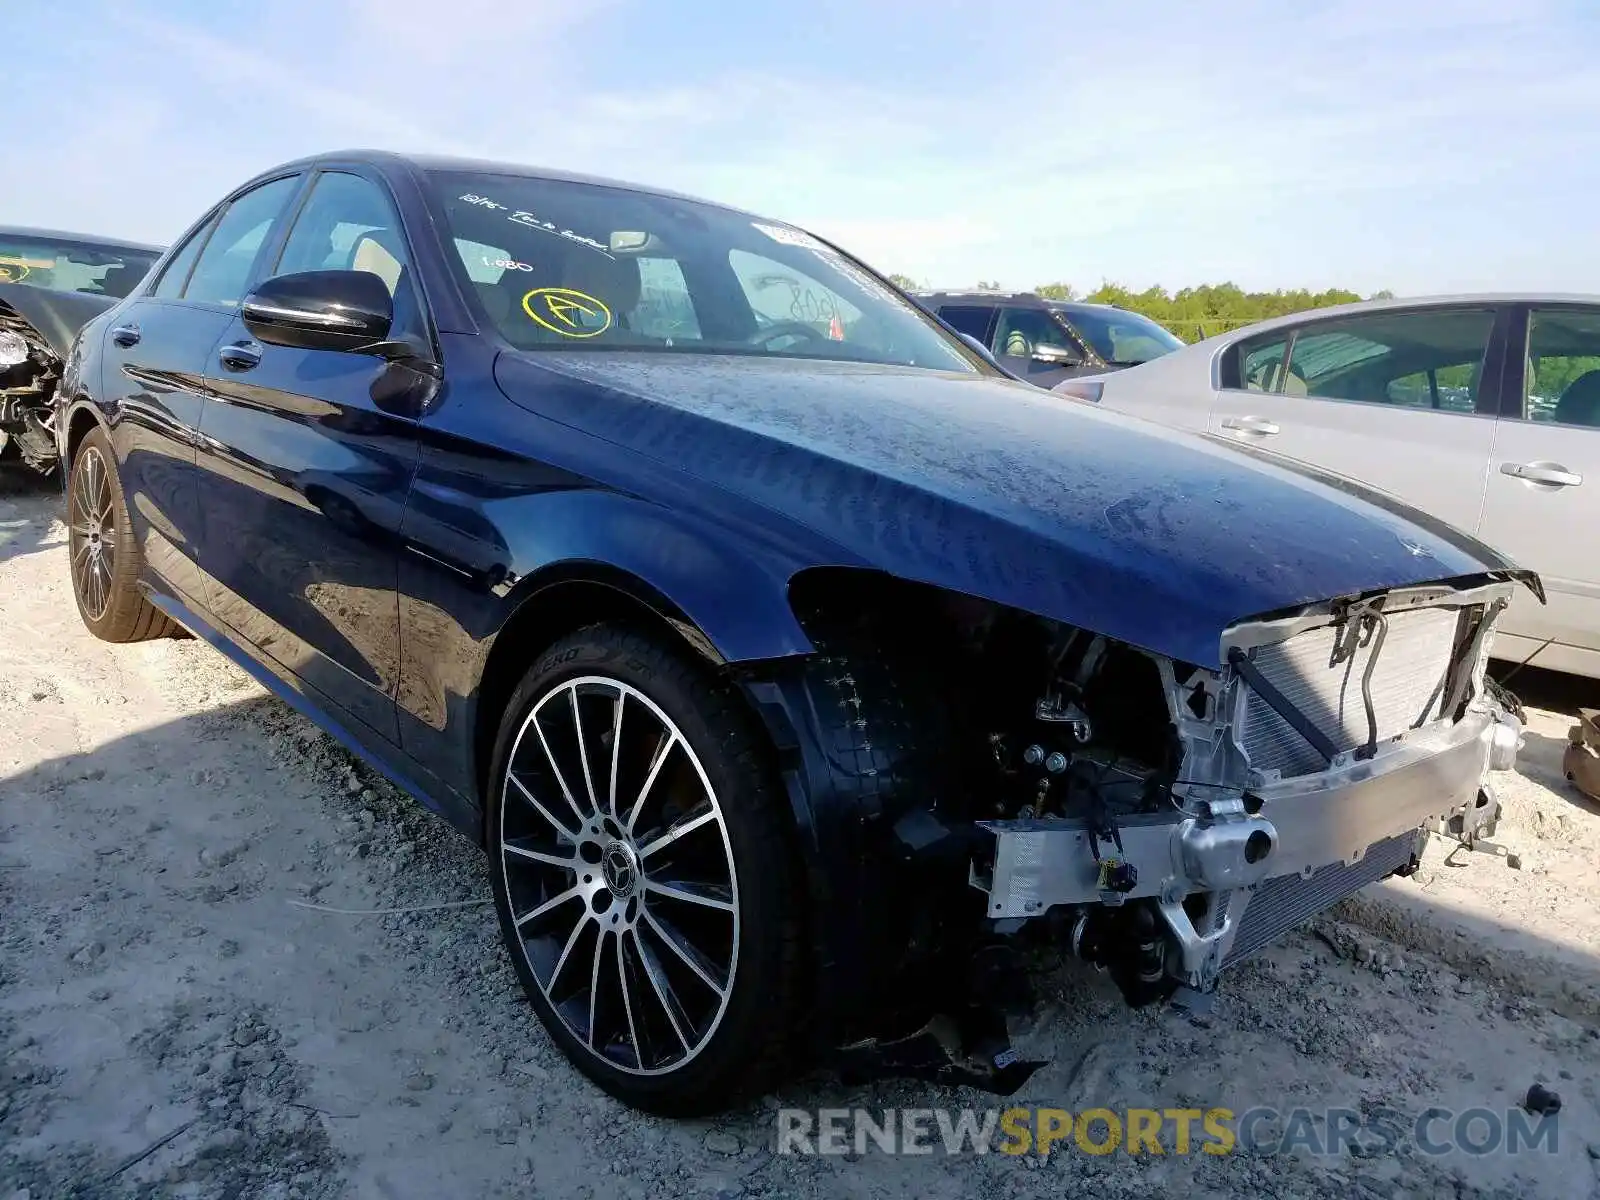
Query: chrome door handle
point(240, 356)
point(1259, 425)
point(125, 335)
point(1553, 474)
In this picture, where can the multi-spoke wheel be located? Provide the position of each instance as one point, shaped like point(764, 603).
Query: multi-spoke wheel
point(94, 532)
point(105, 560)
point(642, 872)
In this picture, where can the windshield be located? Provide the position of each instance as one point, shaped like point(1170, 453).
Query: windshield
point(1120, 337)
point(567, 265)
point(66, 266)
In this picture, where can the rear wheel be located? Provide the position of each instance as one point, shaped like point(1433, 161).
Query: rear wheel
point(105, 559)
point(643, 873)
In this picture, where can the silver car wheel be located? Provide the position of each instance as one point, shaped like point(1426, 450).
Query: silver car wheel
point(620, 875)
point(93, 533)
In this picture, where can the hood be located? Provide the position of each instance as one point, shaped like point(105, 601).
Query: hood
point(998, 490)
point(53, 317)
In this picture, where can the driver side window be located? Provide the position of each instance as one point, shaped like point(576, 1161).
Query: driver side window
point(1021, 330)
point(349, 224)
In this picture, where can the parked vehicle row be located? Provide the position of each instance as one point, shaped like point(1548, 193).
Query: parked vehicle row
point(1483, 411)
point(795, 666)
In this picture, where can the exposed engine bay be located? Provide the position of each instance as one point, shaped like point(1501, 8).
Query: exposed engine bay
point(1162, 820)
point(29, 374)
point(1174, 792)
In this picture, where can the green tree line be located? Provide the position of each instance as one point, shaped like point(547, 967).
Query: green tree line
point(1193, 313)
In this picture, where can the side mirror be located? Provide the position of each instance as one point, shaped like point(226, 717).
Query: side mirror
point(1055, 356)
point(320, 310)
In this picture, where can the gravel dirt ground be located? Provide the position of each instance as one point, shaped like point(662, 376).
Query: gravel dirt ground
point(183, 1014)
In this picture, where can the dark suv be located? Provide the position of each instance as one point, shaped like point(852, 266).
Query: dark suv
point(1046, 341)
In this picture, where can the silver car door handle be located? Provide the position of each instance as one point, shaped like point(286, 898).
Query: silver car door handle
point(1251, 425)
point(1551, 473)
point(240, 356)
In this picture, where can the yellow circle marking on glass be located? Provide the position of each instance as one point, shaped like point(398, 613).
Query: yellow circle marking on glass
point(563, 311)
point(13, 272)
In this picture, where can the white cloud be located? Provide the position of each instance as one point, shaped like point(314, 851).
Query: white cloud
point(1412, 144)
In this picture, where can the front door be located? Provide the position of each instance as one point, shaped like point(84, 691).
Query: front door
point(1544, 488)
point(1397, 400)
point(305, 463)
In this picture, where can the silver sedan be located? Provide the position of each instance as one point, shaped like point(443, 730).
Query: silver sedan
point(1482, 410)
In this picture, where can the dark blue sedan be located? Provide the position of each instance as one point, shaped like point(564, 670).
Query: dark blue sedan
point(794, 666)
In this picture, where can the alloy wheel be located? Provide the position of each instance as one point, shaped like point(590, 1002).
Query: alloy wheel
point(93, 533)
point(620, 875)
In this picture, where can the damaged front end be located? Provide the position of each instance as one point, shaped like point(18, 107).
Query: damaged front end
point(1309, 765)
point(37, 330)
point(1158, 819)
point(29, 374)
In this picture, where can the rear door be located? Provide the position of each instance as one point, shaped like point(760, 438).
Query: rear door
point(1402, 400)
point(974, 320)
point(154, 366)
point(1544, 484)
point(306, 458)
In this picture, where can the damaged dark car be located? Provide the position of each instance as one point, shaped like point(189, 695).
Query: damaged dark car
point(51, 284)
point(798, 671)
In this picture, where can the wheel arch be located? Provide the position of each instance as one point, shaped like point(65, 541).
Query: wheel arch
point(82, 419)
point(553, 603)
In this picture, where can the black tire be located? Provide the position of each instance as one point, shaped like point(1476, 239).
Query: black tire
point(105, 561)
point(750, 928)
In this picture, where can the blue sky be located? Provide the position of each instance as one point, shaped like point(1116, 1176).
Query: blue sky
point(1418, 145)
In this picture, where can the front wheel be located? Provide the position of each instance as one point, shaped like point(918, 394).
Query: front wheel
point(105, 558)
point(644, 875)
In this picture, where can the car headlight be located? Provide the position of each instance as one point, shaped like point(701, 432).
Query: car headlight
point(13, 349)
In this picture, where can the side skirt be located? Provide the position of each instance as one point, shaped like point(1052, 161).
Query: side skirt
point(315, 708)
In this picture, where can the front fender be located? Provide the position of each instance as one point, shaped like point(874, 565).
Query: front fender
point(733, 591)
point(479, 552)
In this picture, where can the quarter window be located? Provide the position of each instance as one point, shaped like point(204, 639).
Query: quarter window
point(1261, 363)
point(176, 273)
point(1563, 375)
point(223, 271)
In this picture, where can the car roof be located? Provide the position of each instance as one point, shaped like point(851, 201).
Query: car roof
point(1407, 303)
point(1084, 306)
point(83, 239)
point(445, 162)
point(976, 294)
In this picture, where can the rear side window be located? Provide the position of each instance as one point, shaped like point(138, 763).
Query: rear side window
point(1431, 359)
point(223, 271)
point(970, 319)
point(1421, 359)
